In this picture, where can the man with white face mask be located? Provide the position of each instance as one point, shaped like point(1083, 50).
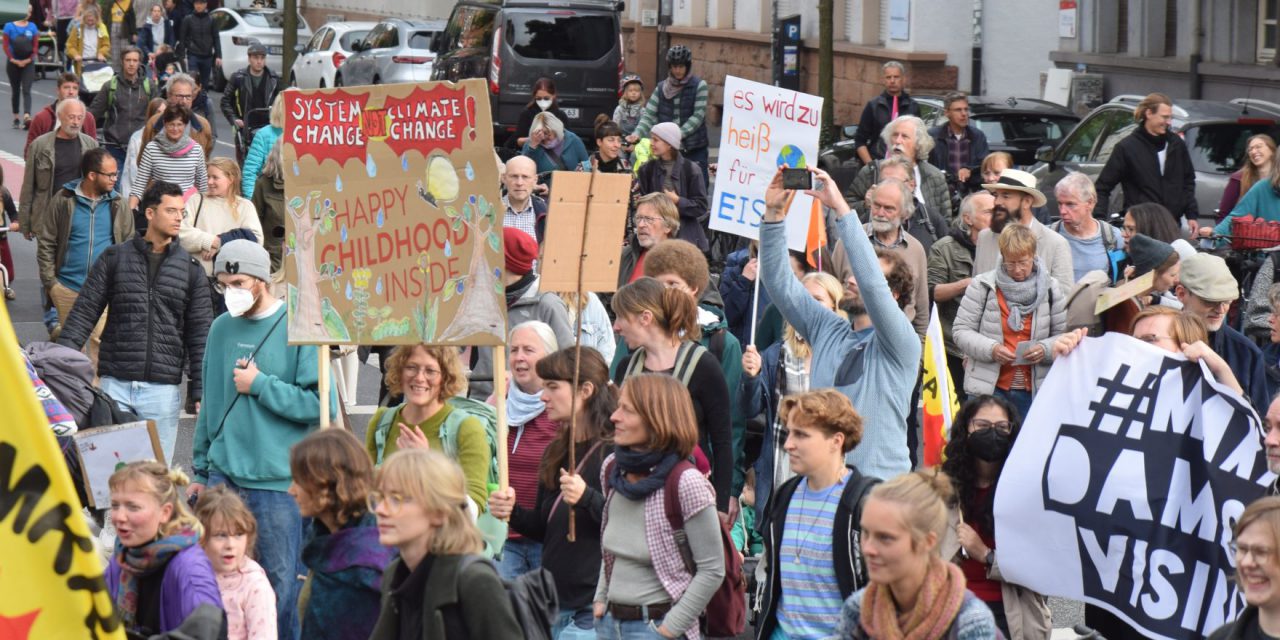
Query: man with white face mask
point(261, 397)
point(160, 315)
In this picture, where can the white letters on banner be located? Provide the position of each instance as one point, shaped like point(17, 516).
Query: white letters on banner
point(763, 127)
point(1124, 484)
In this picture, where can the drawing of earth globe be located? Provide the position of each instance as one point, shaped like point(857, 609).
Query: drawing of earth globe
point(791, 156)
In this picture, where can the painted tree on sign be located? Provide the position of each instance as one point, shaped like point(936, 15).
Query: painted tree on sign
point(482, 310)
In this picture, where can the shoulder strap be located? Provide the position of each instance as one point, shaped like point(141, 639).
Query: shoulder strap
point(111, 91)
point(671, 495)
point(687, 361)
point(1108, 235)
point(383, 418)
point(253, 353)
point(636, 365)
point(199, 208)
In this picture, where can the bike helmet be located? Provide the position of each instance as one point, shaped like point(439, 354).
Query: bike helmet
point(630, 78)
point(679, 54)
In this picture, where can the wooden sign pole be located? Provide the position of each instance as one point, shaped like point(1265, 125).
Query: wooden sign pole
point(323, 352)
point(577, 351)
point(500, 391)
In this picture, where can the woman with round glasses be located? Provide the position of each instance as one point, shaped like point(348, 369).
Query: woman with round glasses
point(420, 501)
point(1256, 539)
point(427, 376)
point(981, 437)
point(1008, 322)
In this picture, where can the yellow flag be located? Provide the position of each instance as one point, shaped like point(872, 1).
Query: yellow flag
point(938, 393)
point(51, 584)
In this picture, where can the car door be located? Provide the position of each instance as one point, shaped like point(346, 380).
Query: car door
point(1075, 153)
point(358, 69)
point(388, 47)
point(306, 72)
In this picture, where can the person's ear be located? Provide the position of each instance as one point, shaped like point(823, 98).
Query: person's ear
point(586, 390)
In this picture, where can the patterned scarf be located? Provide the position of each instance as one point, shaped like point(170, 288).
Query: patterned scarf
point(139, 562)
point(1023, 297)
point(657, 464)
point(937, 604)
point(672, 87)
point(175, 148)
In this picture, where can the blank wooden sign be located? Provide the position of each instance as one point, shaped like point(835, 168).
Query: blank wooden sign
point(567, 223)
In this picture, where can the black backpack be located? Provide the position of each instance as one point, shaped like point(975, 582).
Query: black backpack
point(532, 595)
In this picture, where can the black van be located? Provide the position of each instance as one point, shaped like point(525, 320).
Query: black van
point(576, 43)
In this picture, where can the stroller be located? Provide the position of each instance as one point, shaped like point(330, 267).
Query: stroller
point(48, 58)
point(94, 75)
point(166, 64)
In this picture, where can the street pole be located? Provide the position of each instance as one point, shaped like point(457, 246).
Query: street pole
point(826, 69)
point(290, 38)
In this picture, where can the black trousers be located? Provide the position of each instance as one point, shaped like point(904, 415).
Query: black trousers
point(20, 79)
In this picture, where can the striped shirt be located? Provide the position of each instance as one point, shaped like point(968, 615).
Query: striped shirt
point(188, 170)
point(810, 603)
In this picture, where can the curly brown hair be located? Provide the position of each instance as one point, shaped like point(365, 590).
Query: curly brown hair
point(335, 470)
point(827, 410)
point(901, 281)
point(452, 380)
point(681, 258)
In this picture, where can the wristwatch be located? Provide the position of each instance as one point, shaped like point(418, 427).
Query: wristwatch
point(990, 559)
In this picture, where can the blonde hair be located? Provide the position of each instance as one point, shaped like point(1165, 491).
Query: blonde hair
point(232, 170)
point(435, 482)
point(165, 484)
point(798, 344)
point(452, 379)
point(221, 506)
point(276, 118)
point(1017, 240)
point(924, 496)
point(1266, 512)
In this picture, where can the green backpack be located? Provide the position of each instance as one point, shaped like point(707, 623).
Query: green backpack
point(493, 529)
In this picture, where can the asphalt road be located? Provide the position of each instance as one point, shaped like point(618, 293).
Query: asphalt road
point(26, 312)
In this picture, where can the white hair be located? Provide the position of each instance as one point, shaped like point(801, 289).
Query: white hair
point(179, 78)
point(540, 329)
point(893, 64)
point(63, 104)
point(1076, 184)
point(549, 122)
point(924, 141)
point(908, 207)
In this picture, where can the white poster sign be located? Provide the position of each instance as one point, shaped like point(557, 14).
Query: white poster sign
point(1127, 479)
point(763, 128)
point(1067, 19)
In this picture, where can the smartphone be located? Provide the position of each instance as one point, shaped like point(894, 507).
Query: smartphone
point(798, 179)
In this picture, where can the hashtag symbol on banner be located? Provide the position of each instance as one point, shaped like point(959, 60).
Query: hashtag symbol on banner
point(1131, 417)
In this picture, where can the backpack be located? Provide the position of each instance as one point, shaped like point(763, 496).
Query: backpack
point(726, 613)
point(115, 81)
point(1114, 256)
point(532, 595)
point(493, 529)
point(687, 357)
point(69, 375)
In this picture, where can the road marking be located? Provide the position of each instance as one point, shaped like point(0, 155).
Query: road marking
point(9, 157)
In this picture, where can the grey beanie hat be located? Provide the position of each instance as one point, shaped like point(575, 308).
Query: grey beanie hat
point(244, 257)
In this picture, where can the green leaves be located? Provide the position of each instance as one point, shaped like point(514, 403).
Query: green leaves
point(494, 242)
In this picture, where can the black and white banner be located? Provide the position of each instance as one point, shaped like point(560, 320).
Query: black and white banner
point(1124, 484)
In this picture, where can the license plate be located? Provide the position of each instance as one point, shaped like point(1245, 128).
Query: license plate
point(275, 51)
point(572, 112)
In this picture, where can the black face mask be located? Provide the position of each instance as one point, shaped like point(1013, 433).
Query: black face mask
point(989, 445)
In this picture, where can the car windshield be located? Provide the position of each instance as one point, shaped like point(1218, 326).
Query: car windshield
point(268, 19)
point(561, 35)
point(1002, 128)
point(351, 37)
point(1219, 148)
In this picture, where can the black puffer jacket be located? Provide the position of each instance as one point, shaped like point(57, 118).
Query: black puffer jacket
point(155, 327)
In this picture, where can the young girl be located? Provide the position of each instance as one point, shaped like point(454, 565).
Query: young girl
point(630, 105)
point(230, 532)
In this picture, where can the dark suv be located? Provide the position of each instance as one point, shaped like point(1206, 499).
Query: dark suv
point(512, 43)
point(1215, 133)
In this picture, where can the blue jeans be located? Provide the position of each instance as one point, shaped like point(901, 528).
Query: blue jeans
point(609, 629)
point(519, 555)
point(575, 625)
point(279, 547)
point(149, 401)
point(202, 68)
point(1019, 398)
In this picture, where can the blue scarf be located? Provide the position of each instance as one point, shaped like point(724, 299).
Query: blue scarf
point(657, 464)
point(523, 407)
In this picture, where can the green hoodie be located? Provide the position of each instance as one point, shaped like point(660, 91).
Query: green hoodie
point(251, 446)
point(711, 321)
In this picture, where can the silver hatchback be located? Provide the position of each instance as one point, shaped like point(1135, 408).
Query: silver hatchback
point(1215, 133)
point(394, 51)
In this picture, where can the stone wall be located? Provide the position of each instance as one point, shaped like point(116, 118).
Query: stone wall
point(718, 53)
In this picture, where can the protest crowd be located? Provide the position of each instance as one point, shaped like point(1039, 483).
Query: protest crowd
point(750, 447)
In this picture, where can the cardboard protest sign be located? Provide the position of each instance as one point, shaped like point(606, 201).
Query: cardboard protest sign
point(1123, 486)
point(607, 195)
point(394, 229)
point(763, 128)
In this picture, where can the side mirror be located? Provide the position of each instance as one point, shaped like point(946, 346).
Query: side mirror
point(357, 46)
point(437, 43)
point(300, 48)
point(1045, 154)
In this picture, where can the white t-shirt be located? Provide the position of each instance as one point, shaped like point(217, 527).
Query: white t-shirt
point(90, 49)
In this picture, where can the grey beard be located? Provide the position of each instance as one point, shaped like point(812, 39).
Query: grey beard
point(882, 226)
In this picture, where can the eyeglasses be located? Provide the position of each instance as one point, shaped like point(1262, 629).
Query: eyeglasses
point(646, 220)
point(221, 287)
point(1019, 264)
point(113, 175)
point(1002, 426)
point(395, 501)
point(1261, 554)
point(411, 371)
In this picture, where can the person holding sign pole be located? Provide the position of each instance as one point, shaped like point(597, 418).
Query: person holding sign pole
point(981, 437)
point(876, 369)
point(914, 593)
point(674, 175)
point(574, 562)
point(1008, 322)
point(1255, 545)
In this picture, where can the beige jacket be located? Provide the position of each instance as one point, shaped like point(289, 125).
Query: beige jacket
point(1026, 611)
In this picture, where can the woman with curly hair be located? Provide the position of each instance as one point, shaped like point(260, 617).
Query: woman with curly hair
point(332, 477)
point(981, 437)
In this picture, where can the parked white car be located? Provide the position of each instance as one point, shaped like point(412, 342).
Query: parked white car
point(325, 52)
point(239, 27)
point(395, 50)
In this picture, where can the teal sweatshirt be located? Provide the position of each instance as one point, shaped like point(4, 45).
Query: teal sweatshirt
point(251, 447)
